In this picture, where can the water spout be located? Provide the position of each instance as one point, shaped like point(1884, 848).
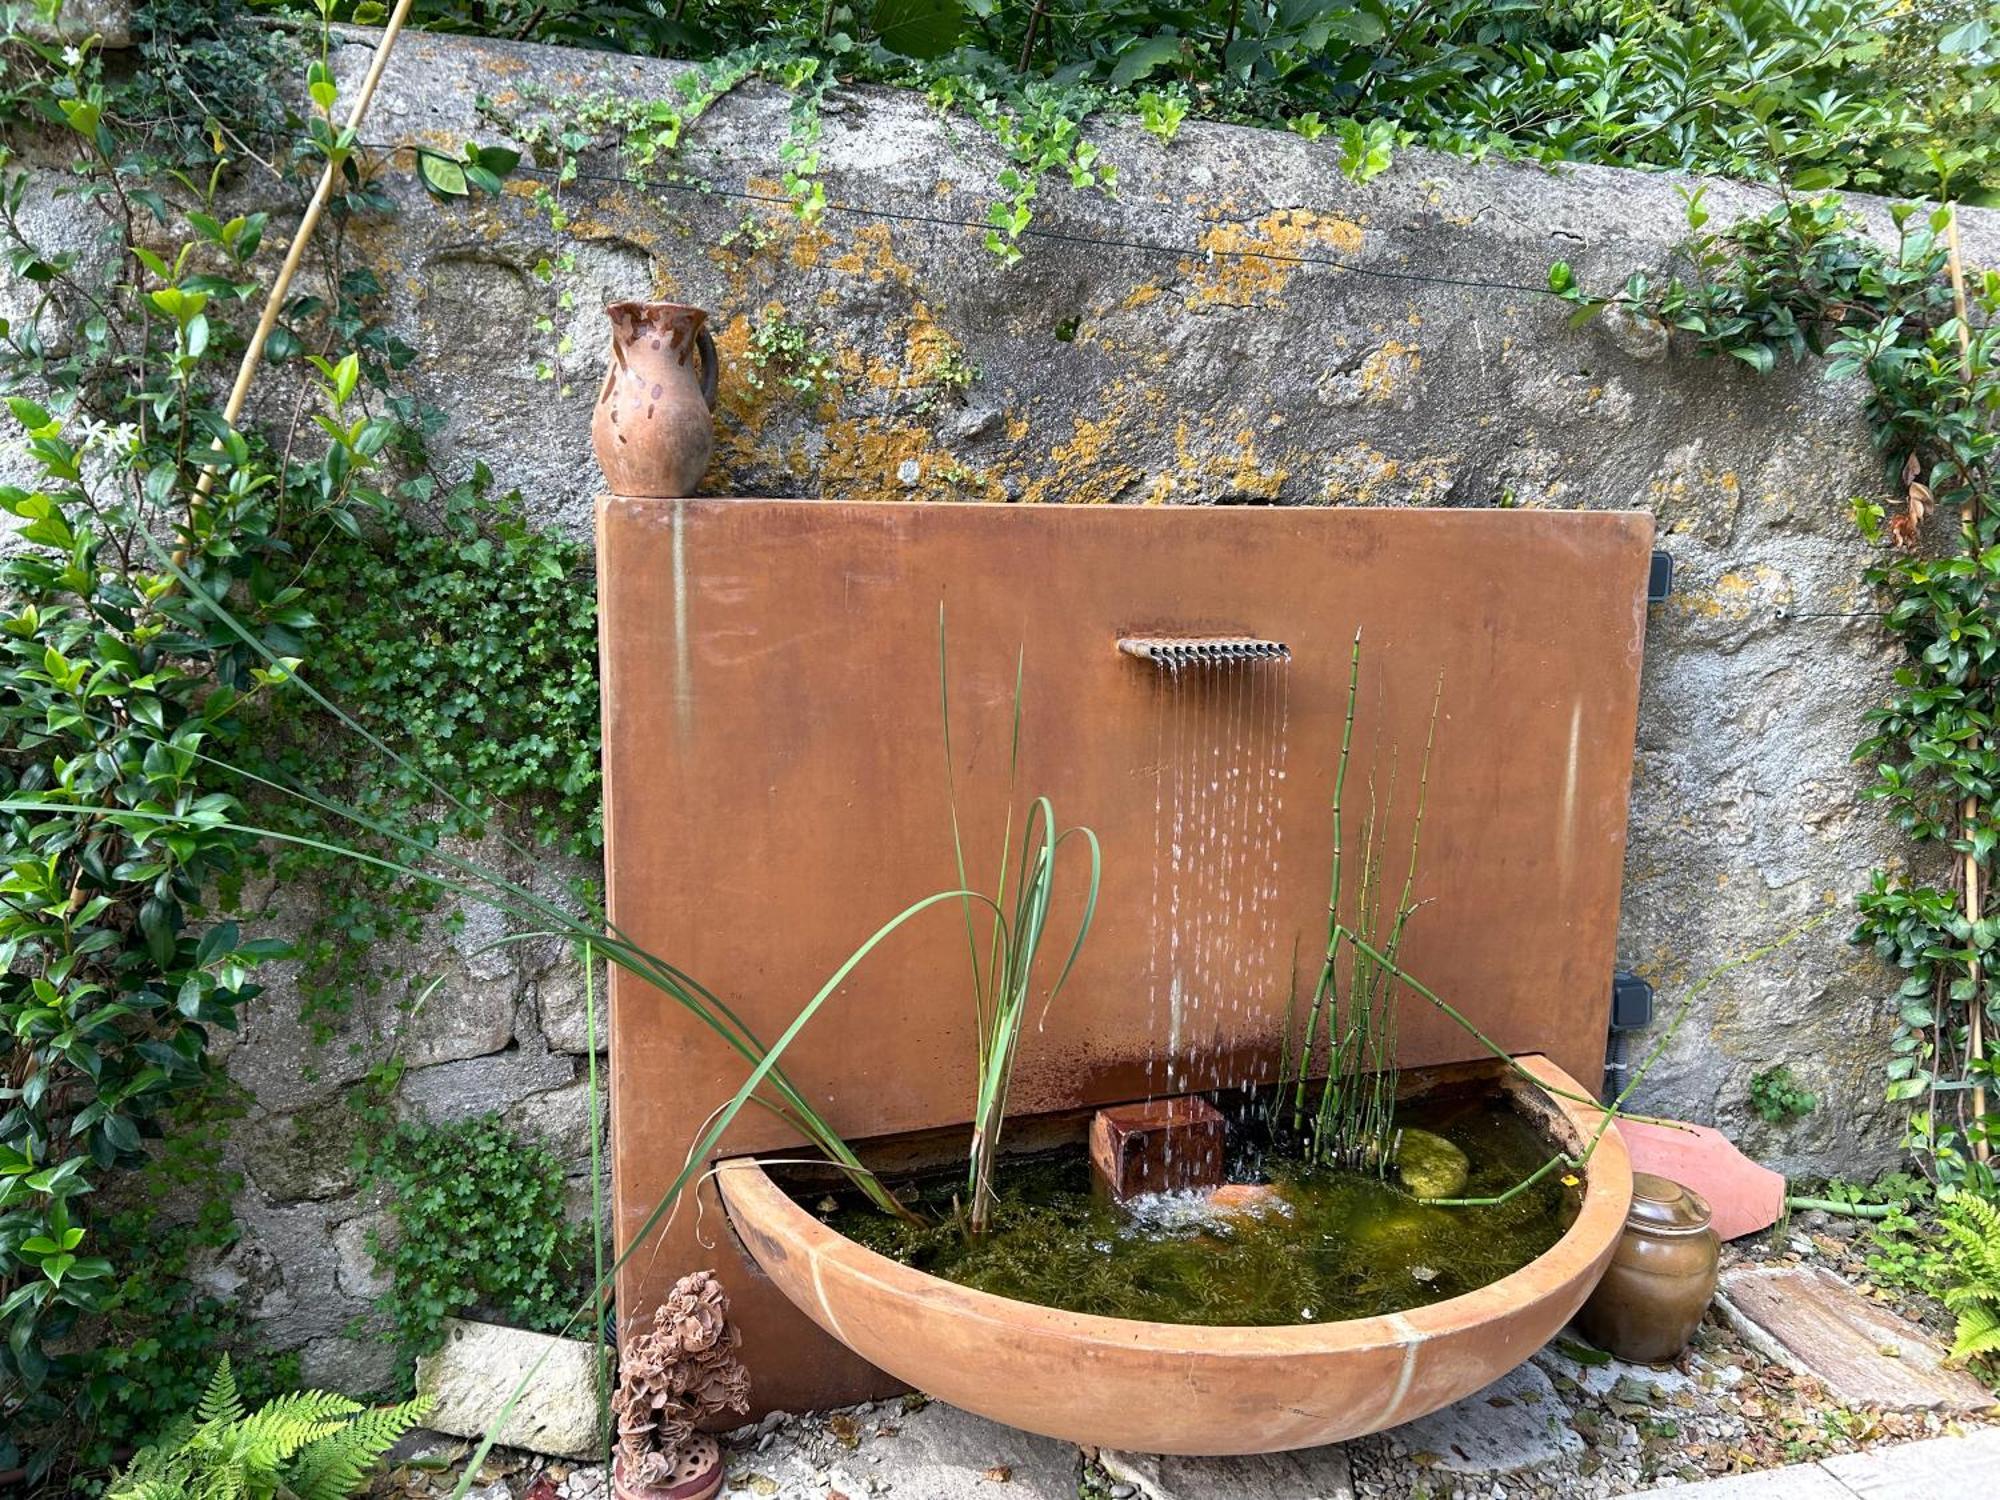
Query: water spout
point(1202, 650)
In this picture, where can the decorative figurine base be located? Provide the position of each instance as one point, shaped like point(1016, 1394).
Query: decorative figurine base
point(1161, 1146)
point(698, 1476)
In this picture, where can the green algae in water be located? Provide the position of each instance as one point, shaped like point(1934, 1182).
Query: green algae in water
point(1349, 1247)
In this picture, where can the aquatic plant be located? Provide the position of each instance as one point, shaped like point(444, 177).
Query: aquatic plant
point(1610, 1113)
point(1003, 979)
point(1352, 1016)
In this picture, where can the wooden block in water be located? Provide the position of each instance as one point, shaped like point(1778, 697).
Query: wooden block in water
point(1163, 1145)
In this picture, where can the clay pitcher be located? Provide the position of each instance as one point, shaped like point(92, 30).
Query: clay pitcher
point(653, 428)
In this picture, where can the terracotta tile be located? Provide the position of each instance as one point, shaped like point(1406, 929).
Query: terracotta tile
point(1744, 1196)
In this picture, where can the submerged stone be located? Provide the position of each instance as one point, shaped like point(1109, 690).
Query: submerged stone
point(1431, 1166)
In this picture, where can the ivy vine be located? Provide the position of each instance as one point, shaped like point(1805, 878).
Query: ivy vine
point(1806, 280)
point(128, 946)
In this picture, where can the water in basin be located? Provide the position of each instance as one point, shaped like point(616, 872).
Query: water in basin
point(1331, 1244)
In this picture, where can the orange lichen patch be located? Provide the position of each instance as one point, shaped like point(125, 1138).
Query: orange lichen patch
point(1362, 475)
point(1244, 265)
point(873, 255)
point(742, 409)
point(927, 347)
point(884, 458)
point(1235, 469)
point(1140, 295)
point(1387, 370)
point(1083, 470)
point(1737, 596)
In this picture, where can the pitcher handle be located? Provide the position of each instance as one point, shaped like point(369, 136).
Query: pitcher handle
point(711, 367)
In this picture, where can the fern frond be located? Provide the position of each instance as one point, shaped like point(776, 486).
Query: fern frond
point(1978, 1330)
point(148, 1489)
point(314, 1445)
point(335, 1467)
point(1973, 1226)
point(220, 1402)
point(281, 1428)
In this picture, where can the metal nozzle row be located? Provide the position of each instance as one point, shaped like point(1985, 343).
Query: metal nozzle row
point(1203, 651)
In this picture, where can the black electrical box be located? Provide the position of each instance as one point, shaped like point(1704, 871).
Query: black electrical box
point(1631, 1002)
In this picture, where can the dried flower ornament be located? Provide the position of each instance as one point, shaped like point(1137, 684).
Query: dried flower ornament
point(681, 1370)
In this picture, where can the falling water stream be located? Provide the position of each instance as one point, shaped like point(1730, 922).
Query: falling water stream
point(1219, 742)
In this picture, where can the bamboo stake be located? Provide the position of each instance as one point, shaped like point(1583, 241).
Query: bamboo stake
point(253, 353)
point(1969, 810)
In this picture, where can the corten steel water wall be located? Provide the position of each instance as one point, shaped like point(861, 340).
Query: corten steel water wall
point(775, 791)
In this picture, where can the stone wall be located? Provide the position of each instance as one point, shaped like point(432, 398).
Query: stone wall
point(1239, 325)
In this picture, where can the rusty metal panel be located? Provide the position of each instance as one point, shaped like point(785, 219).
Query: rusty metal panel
point(776, 790)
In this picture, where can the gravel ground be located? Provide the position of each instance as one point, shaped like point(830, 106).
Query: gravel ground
point(1572, 1423)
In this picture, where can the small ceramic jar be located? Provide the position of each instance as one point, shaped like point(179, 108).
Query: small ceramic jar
point(1661, 1278)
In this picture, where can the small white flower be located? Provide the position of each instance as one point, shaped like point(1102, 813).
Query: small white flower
point(72, 57)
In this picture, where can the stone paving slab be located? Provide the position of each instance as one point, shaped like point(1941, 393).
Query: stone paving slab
point(1309, 1474)
point(1945, 1468)
point(935, 1453)
point(1518, 1422)
point(1810, 1319)
point(1800, 1482)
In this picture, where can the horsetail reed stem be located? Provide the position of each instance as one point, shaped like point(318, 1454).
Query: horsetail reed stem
point(1333, 899)
point(1353, 1005)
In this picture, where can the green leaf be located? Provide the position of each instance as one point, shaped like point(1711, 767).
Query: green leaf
point(1361, 27)
point(442, 175)
point(1141, 57)
point(918, 28)
point(1968, 37)
point(220, 939)
point(156, 923)
point(31, 416)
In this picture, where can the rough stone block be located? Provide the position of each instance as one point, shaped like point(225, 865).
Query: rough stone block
point(306, 1155)
point(110, 21)
point(482, 1085)
point(479, 1365)
point(559, 1119)
point(353, 1367)
point(559, 1002)
point(1810, 1319)
point(356, 1270)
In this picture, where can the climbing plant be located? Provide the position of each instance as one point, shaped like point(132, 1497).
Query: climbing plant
point(128, 945)
point(479, 1223)
point(1868, 94)
point(1807, 280)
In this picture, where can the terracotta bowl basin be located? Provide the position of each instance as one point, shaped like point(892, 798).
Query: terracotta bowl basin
point(1178, 1388)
